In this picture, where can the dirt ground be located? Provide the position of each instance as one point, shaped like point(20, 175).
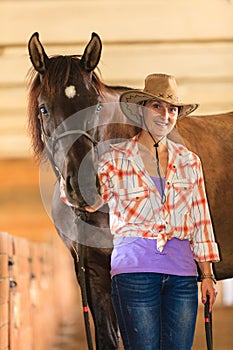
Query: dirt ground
point(23, 214)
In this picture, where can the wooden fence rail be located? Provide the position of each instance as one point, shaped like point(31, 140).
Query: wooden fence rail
point(37, 291)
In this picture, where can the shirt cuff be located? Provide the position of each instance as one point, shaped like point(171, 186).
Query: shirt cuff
point(206, 251)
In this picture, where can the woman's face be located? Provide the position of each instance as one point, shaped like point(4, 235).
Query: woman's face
point(159, 117)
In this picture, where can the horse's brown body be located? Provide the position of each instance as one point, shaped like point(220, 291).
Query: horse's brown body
point(209, 136)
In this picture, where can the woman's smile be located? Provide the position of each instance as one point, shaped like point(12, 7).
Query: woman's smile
point(161, 123)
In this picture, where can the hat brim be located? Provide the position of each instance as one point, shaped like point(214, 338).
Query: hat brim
point(130, 100)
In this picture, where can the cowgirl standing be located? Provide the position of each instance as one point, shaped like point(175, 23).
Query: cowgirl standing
point(161, 224)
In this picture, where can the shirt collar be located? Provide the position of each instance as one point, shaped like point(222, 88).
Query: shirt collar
point(130, 147)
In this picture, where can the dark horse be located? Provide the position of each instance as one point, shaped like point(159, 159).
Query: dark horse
point(66, 89)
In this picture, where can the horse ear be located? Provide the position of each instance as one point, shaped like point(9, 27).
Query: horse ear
point(91, 55)
point(37, 54)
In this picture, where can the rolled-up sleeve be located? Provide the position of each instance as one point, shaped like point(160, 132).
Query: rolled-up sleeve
point(204, 245)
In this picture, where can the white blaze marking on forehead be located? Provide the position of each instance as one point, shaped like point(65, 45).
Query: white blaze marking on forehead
point(70, 91)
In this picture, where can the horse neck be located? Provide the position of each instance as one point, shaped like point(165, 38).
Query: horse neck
point(114, 124)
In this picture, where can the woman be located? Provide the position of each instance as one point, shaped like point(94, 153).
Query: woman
point(161, 224)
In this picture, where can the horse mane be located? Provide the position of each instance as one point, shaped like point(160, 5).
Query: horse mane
point(60, 70)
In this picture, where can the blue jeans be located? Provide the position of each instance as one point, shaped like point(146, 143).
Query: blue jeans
point(155, 311)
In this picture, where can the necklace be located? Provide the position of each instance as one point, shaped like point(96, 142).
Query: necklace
point(156, 146)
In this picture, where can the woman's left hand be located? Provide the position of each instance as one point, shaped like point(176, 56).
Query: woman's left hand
point(208, 288)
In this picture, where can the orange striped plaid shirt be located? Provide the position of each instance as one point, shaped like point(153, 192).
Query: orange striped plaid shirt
point(135, 203)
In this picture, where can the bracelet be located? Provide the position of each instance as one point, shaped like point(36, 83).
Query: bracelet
point(208, 275)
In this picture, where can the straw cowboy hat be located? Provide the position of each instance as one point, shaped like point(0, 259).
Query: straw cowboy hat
point(162, 87)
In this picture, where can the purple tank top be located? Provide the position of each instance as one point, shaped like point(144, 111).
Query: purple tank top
point(133, 254)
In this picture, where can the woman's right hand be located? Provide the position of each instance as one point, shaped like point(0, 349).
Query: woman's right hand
point(92, 208)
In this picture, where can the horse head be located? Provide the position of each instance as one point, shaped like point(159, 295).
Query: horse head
point(64, 105)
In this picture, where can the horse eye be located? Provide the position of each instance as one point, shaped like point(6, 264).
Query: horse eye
point(43, 110)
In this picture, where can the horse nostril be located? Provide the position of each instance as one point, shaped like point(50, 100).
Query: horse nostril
point(70, 186)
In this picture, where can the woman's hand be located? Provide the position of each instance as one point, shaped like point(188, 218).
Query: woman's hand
point(98, 204)
point(208, 283)
point(208, 288)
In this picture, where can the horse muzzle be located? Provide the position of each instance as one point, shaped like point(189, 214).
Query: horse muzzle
point(80, 194)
